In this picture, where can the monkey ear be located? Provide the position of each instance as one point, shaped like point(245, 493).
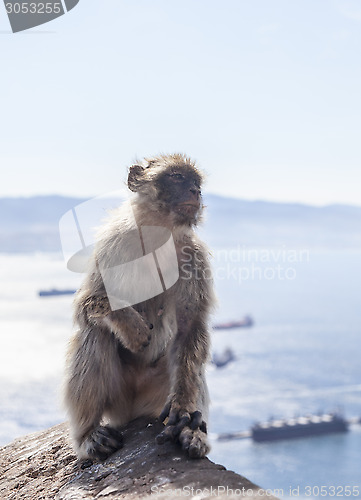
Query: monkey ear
point(134, 177)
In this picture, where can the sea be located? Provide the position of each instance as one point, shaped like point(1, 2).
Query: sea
point(302, 356)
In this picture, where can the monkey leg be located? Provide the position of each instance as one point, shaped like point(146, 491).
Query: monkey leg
point(94, 383)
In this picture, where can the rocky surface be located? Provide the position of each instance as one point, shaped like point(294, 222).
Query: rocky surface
point(43, 466)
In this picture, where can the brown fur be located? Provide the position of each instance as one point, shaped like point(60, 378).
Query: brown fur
point(148, 357)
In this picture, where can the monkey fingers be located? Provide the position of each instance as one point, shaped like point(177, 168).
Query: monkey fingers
point(103, 442)
point(131, 328)
point(165, 435)
point(197, 422)
point(194, 442)
point(183, 422)
point(165, 411)
point(178, 421)
point(172, 431)
point(194, 421)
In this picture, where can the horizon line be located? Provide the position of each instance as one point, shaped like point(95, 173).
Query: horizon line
point(220, 195)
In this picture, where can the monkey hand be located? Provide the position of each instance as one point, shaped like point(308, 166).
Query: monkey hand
point(132, 329)
point(189, 429)
point(97, 307)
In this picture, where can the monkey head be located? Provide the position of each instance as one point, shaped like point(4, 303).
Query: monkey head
point(169, 185)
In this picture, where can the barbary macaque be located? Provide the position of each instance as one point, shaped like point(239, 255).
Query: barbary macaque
point(142, 313)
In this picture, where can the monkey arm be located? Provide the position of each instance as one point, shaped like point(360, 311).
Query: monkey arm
point(130, 327)
point(188, 355)
point(189, 394)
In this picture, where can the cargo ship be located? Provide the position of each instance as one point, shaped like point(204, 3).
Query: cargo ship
point(221, 360)
point(246, 322)
point(312, 425)
point(53, 292)
point(300, 427)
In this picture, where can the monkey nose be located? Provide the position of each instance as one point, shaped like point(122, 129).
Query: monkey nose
point(195, 191)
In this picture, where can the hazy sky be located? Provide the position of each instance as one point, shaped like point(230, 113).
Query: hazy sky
point(265, 94)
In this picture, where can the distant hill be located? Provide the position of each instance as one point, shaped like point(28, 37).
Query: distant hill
point(31, 224)
point(261, 223)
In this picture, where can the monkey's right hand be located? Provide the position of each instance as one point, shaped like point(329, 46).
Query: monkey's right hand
point(189, 429)
point(97, 307)
point(130, 328)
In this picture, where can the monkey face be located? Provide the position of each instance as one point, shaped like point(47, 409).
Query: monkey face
point(180, 190)
point(172, 185)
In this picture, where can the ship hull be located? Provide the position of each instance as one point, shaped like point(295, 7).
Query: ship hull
point(299, 431)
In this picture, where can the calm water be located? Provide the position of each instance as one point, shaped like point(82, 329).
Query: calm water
point(302, 355)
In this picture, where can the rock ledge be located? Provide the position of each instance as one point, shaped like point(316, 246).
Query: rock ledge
point(42, 466)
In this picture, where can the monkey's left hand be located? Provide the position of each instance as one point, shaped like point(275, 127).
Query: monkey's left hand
point(189, 429)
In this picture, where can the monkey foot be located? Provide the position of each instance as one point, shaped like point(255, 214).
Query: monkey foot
point(102, 443)
point(189, 429)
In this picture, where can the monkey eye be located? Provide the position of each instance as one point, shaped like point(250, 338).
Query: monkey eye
point(177, 177)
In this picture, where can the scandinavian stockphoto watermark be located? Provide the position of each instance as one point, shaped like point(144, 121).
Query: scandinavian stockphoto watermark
point(242, 264)
point(24, 15)
point(152, 269)
point(145, 262)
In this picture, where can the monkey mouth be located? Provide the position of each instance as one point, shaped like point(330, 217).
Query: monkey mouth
point(194, 204)
point(189, 208)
